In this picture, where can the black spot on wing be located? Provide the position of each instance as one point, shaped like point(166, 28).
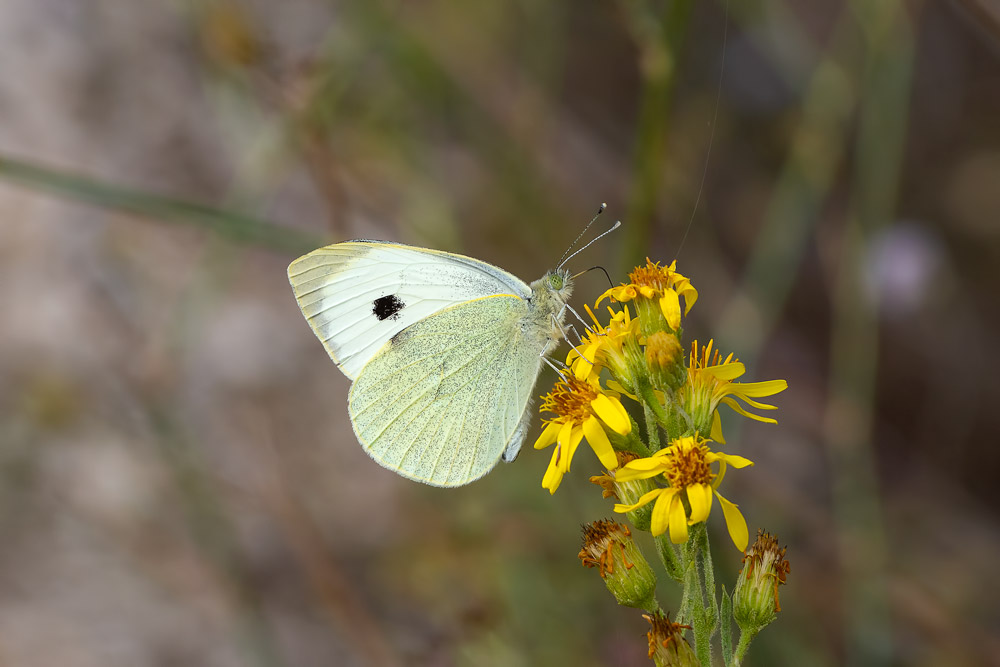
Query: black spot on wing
point(387, 306)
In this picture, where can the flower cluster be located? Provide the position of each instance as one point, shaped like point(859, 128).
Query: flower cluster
point(665, 476)
point(638, 355)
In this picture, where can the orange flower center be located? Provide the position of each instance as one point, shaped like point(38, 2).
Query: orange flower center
point(570, 399)
point(688, 466)
point(652, 275)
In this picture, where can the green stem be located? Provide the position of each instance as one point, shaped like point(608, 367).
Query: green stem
point(699, 613)
point(668, 556)
point(742, 646)
point(652, 428)
point(708, 572)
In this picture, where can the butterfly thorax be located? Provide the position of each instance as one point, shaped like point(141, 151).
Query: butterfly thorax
point(546, 308)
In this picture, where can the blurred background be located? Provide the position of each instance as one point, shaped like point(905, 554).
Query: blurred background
point(179, 483)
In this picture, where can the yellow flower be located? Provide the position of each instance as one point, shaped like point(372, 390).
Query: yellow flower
point(582, 409)
point(606, 347)
point(687, 466)
point(710, 383)
point(657, 283)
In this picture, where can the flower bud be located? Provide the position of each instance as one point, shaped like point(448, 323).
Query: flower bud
point(608, 546)
point(755, 600)
point(667, 646)
point(665, 360)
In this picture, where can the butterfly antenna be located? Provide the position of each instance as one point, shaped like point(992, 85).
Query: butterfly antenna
point(600, 210)
point(711, 138)
point(595, 268)
point(617, 224)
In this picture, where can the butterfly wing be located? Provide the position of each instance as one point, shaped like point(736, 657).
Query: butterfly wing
point(357, 295)
point(440, 403)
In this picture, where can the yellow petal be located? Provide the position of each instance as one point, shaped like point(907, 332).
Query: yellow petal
point(548, 436)
point(749, 401)
point(678, 521)
point(739, 409)
point(735, 522)
point(735, 461)
point(765, 388)
point(553, 474)
point(575, 438)
point(616, 386)
point(716, 433)
point(646, 498)
point(671, 309)
point(659, 519)
point(700, 498)
point(627, 474)
point(613, 413)
point(647, 291)
point(599, 442)
point(690, 295)
point(726, 372)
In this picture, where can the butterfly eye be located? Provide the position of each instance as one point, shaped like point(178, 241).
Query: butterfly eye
point(555, 281)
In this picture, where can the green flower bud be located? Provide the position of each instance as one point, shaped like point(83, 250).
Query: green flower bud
point(755, 600)
point(608, 546)
point(665, 359)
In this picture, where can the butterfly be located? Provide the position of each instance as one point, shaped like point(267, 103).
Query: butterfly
point(443, 351)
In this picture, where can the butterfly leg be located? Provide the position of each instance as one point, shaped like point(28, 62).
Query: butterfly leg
point(579, 319)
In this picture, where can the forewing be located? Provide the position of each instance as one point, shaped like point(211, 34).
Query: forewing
point(359, 294)
point(441, 401)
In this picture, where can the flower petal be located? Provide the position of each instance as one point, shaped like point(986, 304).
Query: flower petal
point(671, 309)
point(700, 498)
point(553, 474)
point(613, 413)
point(690, 295)
point(616, 387)
point(734, 460)
point(659, 519)
point(728, 371)
point(599, 442)
point(575, 438)
point(716, 433)
point(765, 388)
point(740, 410)
point(735, 522)
point(644, 499)
point(548, 436)
point(678, 521)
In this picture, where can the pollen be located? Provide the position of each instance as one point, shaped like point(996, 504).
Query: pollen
point(652, 276)
point(688, 465)
point(570, 398)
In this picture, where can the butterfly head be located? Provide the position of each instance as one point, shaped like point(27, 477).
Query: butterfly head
point(556, 284)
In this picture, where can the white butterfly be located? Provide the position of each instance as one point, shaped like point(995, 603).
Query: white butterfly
point(443, 351)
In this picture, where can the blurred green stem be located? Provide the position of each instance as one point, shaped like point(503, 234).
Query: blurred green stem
point(658, 29)
point(885, 27)
point(228, 224)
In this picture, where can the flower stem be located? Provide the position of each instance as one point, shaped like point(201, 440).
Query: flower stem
point(652, 428)
point(742, 646)
point(668, 555)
